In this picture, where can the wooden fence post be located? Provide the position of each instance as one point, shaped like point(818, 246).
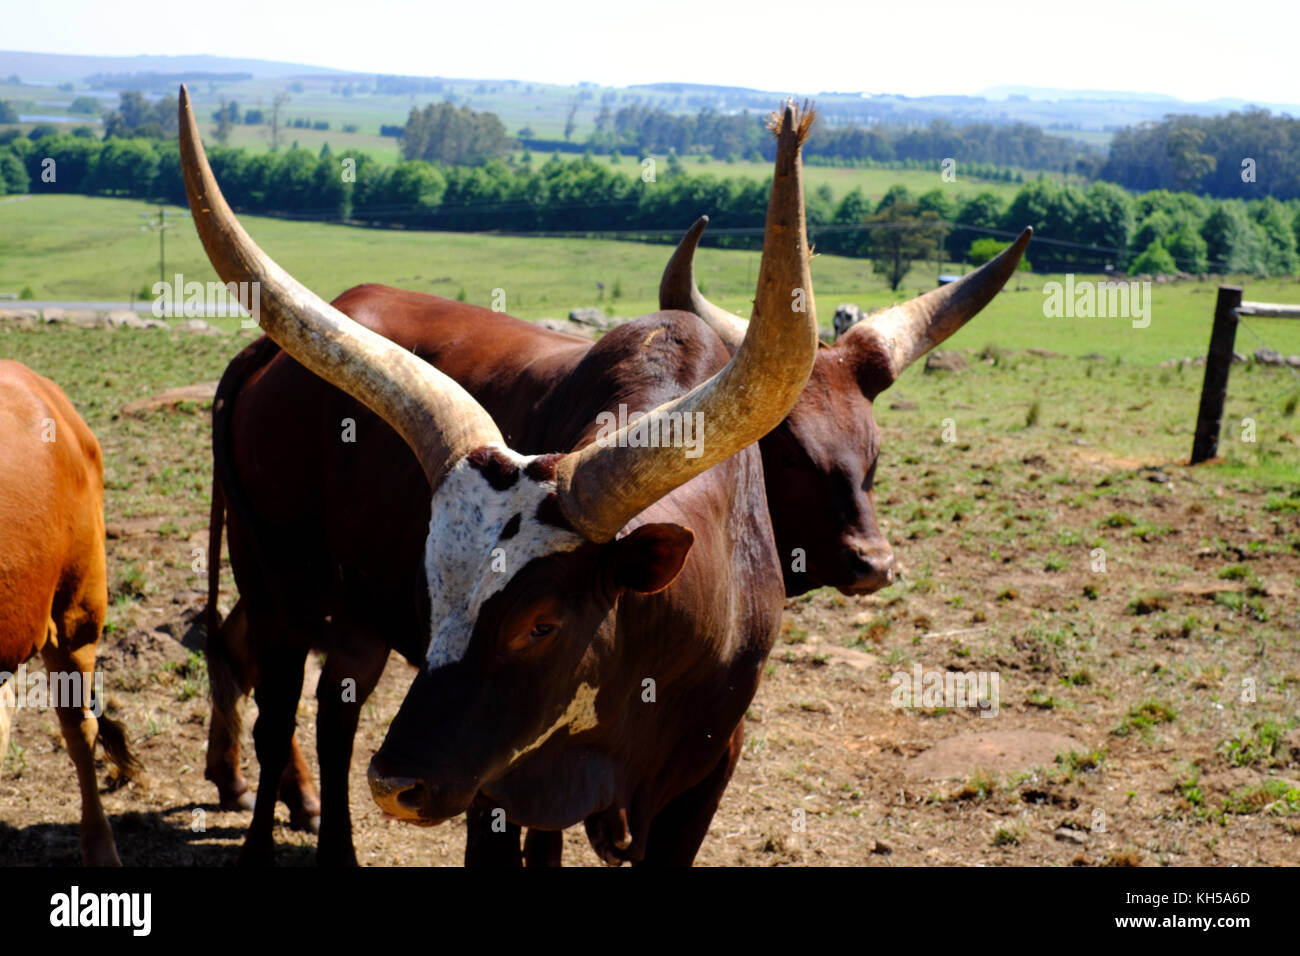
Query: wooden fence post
point(1218, 360)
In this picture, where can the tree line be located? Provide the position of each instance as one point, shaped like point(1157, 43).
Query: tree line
point(1243, 155)
point(1098, 228)
point(648, 129)
point(442, 133)
point(1246, 154)
point(1077, 228)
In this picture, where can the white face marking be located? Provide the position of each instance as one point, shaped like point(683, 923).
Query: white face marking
point(580, 715)
point(464, 531)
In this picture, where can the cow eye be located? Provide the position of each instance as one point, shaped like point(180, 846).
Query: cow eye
point(538, 634)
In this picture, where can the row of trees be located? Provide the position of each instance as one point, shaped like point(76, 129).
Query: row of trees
point(1245, 154)
point(1076, 228)
point(1098, 228)
point(1014, 144)
point(441, 133)
point(137, 117)
point(648, 129)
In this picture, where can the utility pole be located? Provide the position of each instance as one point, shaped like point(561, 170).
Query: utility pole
point(161, 227)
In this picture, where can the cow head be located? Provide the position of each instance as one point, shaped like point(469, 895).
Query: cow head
point(526, 556)
point(521, 620)
point(820, 463)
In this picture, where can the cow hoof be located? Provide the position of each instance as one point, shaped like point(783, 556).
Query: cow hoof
point(303, 807)
point(307, 820)
point(232, 789)
point(237, 801)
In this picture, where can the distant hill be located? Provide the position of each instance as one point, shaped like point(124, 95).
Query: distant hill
point(1090, 116)
point(1056, 95)
point(1160, 101)
point(60, 67)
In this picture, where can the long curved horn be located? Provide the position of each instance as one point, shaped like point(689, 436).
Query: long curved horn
point(910, 329)
point(606, 483)
point(435, 416)
point(907, 331)
point(677, 290)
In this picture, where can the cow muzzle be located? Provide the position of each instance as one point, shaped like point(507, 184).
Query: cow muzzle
point(870, 564)
point(405, 798)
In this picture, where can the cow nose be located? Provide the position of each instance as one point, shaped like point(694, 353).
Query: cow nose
point(400, 796)
point(872, 564)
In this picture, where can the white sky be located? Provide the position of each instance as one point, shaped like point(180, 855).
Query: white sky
point(1191, 49)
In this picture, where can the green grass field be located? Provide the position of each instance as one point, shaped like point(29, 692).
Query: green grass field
point(539, 107)
point(996, 487)
point(82, 248)
point(257, 139)
point(874, 183)
point(841, 180)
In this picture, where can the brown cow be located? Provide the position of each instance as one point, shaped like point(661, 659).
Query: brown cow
point(53, 590)
point(276, 426)
point(824, 451)
point(529, 664)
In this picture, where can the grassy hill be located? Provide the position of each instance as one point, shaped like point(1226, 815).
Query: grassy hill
point(76, 248)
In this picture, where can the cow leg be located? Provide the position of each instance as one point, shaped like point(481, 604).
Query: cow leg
point(543, 847)
point(350, 674)
point(8, 701)
point(490, 839)
point(279, 685)
point(298, 790)
point(73, 652)
point(678, 830)
point(230, 680)
point(232, 672)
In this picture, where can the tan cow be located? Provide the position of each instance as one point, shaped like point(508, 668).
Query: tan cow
point(53, 591)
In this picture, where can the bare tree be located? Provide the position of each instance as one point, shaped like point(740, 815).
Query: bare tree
point(279, 101)
point(569, 124)
point(223, 123)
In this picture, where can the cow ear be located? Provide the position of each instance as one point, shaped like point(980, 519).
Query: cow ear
point(870, 360)
point(650, 558)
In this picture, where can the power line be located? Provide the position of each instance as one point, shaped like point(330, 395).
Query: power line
point(392, 215)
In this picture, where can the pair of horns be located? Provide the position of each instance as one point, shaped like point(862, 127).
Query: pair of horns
point(905, 331)
point(601, 486)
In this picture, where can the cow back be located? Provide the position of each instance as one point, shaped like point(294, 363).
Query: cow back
point(51, 510)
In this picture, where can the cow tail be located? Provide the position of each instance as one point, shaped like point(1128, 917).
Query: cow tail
point(118, 751)
point(225, 688)
point(216, 523)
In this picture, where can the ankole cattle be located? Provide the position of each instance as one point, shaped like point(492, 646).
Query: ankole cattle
point(556, 587)
point(53, 590)
point(276, 422)
point(825, 450)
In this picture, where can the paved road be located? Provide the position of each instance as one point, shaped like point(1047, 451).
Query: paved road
point(138, 306)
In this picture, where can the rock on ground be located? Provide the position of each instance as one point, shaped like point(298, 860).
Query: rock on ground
point(945, 362)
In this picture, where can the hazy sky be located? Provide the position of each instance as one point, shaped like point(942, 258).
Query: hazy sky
point(1192, 49)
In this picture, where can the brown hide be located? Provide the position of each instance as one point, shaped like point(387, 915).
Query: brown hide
point(322, 527)
point(53, 589)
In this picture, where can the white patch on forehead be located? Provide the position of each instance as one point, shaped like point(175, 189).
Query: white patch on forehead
point(580, 715)
point(464, 531)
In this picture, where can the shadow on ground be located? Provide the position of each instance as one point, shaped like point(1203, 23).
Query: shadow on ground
point(157, 838)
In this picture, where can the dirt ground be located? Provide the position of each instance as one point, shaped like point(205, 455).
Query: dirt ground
point(1121, 691)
